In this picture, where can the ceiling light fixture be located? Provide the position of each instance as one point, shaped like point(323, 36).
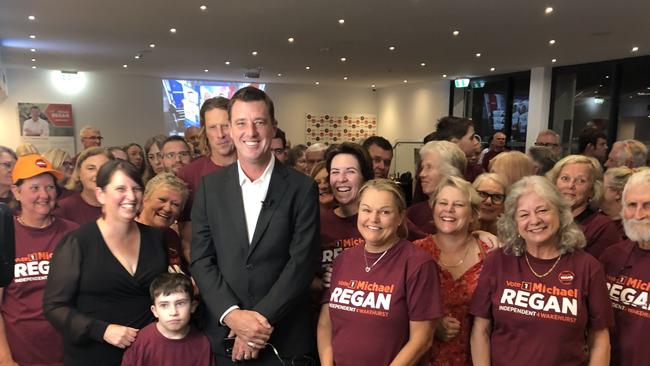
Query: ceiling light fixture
point(455, 33)
point(307, 68)
point(551, 42)
point(152, 45)
point(391, 48)
point(343, 59)
point(478, 54)
point(137, 57)
point(341, 21)
point(173, 30)
point(345, 78)
point(492, 69)
point(206, 70)
point(33, 67)
point(548, 10)
point(423, 64)
point(291, 39)
point(32, 36)
point(444, 75)
point(372, 86)
point(635, 48)
point(203, 8)
point(279, 74)
point(405, 81)
point(125, 66)
point(317, 83)
point(32, 50)
point(31, 17)
point(553, 60)
point(33, 60)
point(254, 53)
point(227, 62)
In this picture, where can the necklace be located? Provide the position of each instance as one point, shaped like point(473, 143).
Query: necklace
point(547, 272)
point(462, 260)
point(368, 268)
point(22, 222)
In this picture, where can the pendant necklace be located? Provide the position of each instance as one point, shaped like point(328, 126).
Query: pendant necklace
point(369, 267)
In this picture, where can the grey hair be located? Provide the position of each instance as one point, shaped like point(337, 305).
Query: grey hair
point(316, 147)
point(550, 132)
point(453, 161)
point(169, 180)
point(641, 177)
point(634, 151)
point(87, 128)
point(596, 175)
point(569, 235)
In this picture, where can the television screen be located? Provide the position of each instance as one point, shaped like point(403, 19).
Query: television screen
point(182, 100)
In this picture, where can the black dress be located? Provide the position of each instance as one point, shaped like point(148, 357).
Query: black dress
point(88, 289)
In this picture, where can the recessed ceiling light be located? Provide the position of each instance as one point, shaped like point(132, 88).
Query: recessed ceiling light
point(291, 39)
point(33, 60)
point(478, 54)
point(648, 88)
point(372, 86)
point(280, 74)
point(554, 60)
point(551, 42)
point(600, 86)
point(596, 92)
point(343, 59)
point(317, 83)
point(33, 67)
point(254, 53)
point(405, 81)
point(137, 57)
point(173, 30)
point(455, 33)
point(345, 78)
point(205, 70)
point(548, 10)
point(203, 8)
point(341, 21)
point(152, 45)
point(606, 76)
point(31, 17)
point(32, 36)
point(32, 50)
point(307, 68)
point(391, 48)
point(227, 62)
point(634, 49)
point(492, 69)
point(125, 66)
point(423, 64)
point(444, 75)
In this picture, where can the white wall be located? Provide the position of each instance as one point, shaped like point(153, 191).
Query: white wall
point(407, 113)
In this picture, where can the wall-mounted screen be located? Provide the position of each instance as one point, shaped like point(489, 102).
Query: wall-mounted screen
point(182, 100)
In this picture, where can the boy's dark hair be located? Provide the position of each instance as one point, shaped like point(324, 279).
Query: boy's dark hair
point(589, 135)
point(451, 127)
point(169, 283)
point(379, 141)
point(279, 134)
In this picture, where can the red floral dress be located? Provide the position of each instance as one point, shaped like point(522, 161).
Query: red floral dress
point(456, 296)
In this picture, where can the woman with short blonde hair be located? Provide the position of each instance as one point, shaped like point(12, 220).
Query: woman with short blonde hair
point(512, 165)
point(579, 180)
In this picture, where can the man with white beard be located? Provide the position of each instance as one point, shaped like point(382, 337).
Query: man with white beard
point(628, 279)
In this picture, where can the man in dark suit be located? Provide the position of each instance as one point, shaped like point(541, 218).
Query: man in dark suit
point(255, 230)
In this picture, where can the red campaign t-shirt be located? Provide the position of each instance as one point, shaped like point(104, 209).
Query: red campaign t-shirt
point(456, 296)
point(75, 209)
point(152, 348)
point(422, 216)
point(192, 174)
point(541, 321)
point(628, 279)
point(370, 311)
point(336, 235)
point(600, 231)
point(33, 341)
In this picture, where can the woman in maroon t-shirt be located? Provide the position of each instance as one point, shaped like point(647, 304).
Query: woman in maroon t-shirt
point(460, 259)
point(26, 337)
point(579, 180)
point(82, 206)
point(385, 297)
point(540, 300)
point(163, 200)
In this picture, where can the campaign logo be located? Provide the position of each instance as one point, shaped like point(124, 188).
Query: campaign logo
point(526, 286)
point(40, 163)
point(566, 277)
point(621, 279)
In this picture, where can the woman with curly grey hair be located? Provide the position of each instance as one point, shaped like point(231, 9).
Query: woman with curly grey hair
point(540, 292)
point(580, 181)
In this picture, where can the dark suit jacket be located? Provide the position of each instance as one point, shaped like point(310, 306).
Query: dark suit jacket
point(271, 275)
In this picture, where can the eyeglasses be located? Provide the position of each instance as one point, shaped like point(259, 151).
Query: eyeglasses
point(546, 144)
point(94, 138)
point(497, 198)
point(181, 154)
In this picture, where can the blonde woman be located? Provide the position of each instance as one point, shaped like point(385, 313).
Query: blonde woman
point(512, 165)
point(579, 180)
point(540, 300)
point(61, 161)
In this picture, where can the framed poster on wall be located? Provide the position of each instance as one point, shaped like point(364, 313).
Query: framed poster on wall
point(47, 126)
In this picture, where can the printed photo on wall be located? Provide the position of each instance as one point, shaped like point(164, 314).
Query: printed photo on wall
point(47, 126)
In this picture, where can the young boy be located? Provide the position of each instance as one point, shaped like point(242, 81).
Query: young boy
point(171, 340)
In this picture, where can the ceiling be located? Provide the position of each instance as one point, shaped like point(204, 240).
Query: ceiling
point(87, 35)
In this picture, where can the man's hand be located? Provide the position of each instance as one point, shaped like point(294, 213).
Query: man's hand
point(120, 336)
point(249, 326)
point(242, 350)
point(447, 329)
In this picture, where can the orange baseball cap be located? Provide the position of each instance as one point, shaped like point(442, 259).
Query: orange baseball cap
point(29, 166)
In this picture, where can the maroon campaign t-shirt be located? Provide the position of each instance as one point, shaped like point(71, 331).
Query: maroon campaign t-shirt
point(628, 279)
point(336, 235)
point(422, 216)
point(152, 348)
point(600, 231)
point(75, 209)
point(32, 340)
point(541, 321)
point(192, 174)
point(370, 311)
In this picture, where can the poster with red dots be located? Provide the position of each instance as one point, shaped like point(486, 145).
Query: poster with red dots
point(334, 129)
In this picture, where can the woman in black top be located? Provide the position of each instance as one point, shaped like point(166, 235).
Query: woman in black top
point(97, 294)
